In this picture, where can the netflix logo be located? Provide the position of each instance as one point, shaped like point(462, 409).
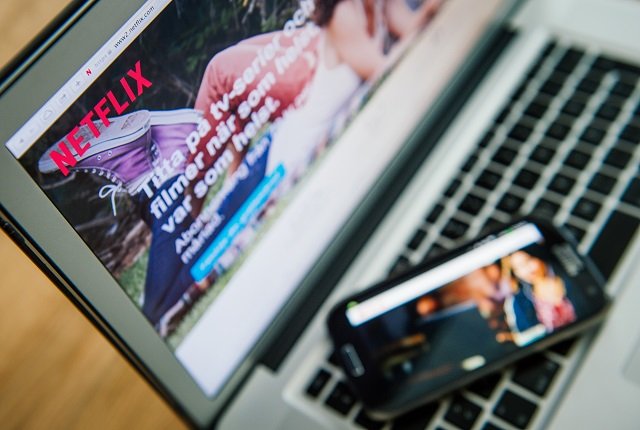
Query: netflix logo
point(115, 101)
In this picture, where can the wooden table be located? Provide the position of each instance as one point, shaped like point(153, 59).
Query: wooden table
point(56, 370)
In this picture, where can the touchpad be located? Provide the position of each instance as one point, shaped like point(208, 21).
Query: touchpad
point(632, 369)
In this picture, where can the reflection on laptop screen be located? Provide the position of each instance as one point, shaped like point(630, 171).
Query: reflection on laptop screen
point(208, 153)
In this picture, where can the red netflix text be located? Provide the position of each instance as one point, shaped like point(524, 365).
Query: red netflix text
point(109, 104)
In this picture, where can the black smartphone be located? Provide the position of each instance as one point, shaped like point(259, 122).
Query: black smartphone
point(443, 324)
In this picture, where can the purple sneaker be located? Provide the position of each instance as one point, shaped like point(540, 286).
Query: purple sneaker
point(169, 131)
point(121, 153)
point(129, 150)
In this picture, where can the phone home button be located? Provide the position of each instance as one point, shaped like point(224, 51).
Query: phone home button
point(352, 360)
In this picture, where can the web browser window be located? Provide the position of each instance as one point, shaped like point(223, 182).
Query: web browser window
point(208, 152)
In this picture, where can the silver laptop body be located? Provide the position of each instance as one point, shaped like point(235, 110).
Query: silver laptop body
point(259, 375)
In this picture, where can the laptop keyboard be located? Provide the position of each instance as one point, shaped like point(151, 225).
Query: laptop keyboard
point(565, 147)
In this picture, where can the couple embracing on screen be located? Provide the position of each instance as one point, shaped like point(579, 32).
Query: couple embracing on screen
point(348, 46)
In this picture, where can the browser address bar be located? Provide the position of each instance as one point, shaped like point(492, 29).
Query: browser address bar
point(69, 92)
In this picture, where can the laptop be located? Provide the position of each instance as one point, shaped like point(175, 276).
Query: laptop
point(204, 181)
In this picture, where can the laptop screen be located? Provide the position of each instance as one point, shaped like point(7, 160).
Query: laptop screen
point(209, 152)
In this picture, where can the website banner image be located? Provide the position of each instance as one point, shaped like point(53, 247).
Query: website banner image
point(175, 162)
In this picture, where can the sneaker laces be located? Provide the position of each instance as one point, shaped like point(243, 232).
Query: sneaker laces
point(110, 190)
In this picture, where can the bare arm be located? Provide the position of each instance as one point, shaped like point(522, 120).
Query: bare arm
point(403, 21)
point(506, 273)
point(347, 34)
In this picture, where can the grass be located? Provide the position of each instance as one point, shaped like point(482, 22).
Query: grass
point(133, 278)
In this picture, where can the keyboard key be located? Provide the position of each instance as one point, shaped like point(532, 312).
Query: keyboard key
point(546, 208)
point(594, 74)
point(566, 120)
point(606, 64)
point(625, 146)
point(491, 426)
point(603, 63)
point(627, 71)
point(485, 386)
point(417, 419)
point(455, 229)
point(462, 412)
point(453, 187)
point(535, 373)
point(618, 158)
point(515, 410)
point(526, 179)
point(468, 165)
point(558, 130)
point(490, 225)
point(548, 49)
point(558, 76)
point(588, 86)
point(632, 193)
point(585, 147)
point(318, 383)
point(602, 183)
point(488, 180)
point(435, 213)
point(510, 203)
point(504, 113)
point(417, 239)
point(592, 135)
point(577, 159)
point(434, 251)
point(550, 87)
point(577, 233)
point(586, 209)
point(542, 154)
point(614, 101)
point(608, 112)
point(622, 89)
point(569, 60)
point(520, 132)
point(535, 110)
point(538, 64)
point(543, 100)
point(504, 156)
point(519, 91)
point(341, 399)
point(472, 204)
point(613, 240)
point(484, 142)
point(573, 107)
point(401, 265)
point(631, 133)
point(363, 419)
point(561, 184)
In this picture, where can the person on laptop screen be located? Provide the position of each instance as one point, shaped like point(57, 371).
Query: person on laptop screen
point(206, 181)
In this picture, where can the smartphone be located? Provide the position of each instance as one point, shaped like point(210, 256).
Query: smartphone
point(419, 335)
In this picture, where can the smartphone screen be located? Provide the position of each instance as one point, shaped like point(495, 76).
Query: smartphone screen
point(501, 295)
